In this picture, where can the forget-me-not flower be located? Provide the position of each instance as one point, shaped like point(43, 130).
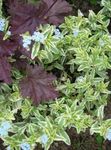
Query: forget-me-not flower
point(8, 148)
point(5, 126)
point(26, 41)
point(108, 135)
point(38, 37)
point(101, 43)
point(58, 33)
point(3, 132)
point(80, 79)
point(25, 146)
point(44, 139)
point(2, 24)
point(76, 32)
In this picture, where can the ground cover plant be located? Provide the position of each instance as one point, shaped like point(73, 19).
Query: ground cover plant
point(53, 73)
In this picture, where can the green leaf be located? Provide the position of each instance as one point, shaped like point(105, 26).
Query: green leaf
point(63, 136)
point(101, 112)
point(35, 50)
point(58, 66)
point(0, 8)
point(48, 144)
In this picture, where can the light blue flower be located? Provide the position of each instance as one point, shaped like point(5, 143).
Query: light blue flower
point(25, 146)
point(101, 43)
point(58, 33)
point(76, 32)
point(26, 42)
point(38, 37)
point(2, 24)
point(3, 132)
point(108, 135)
point(44, 139)
point(8, 148)
point(6, 125)
point(80, 79)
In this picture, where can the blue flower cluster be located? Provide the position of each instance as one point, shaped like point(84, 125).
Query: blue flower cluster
point(38, 37)
point(80, 79)
point(5, 126)
point(44, 139)
point(25, 146)
point(101, 43)
point(108, 135)
point(2, 24)
point(58, 33)
point(26, 42)
point(76, 32)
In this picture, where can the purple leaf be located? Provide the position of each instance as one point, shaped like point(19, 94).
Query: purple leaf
point(5, 70)
point(37, 85)
point(56, 11)
point(27, 17)
point(7, 47)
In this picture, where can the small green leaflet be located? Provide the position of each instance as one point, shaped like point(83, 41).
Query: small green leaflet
point(100, 112)
point(0, 8)
point(35, 50)
point(63, 136)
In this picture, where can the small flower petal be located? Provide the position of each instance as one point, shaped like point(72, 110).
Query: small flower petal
point(2, 24)
point(26, 42)
point(25, 146)
point(80, 79)
point(38, 37)
point(76, 32)
point(44, 139)
point(58, 33)
point(101, 43)
point(3, 132)
point(6, 125)
point(108, 135)
point(8, 148)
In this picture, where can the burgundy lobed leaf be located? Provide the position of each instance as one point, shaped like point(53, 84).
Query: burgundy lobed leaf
point(20, 63)
point(27, 17)
point(22, 17)
point(5, 70)
point(7, 47)
point(37, 85)
point(56, 11)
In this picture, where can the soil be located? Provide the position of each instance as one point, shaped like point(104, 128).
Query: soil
point(84, 6)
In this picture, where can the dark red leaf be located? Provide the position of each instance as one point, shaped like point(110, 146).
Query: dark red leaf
point(20, 63)
point(27, 17)
point(56, 11)
point(24, 17)
point(37, 85)
point(5, 70)
point(7, 47)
